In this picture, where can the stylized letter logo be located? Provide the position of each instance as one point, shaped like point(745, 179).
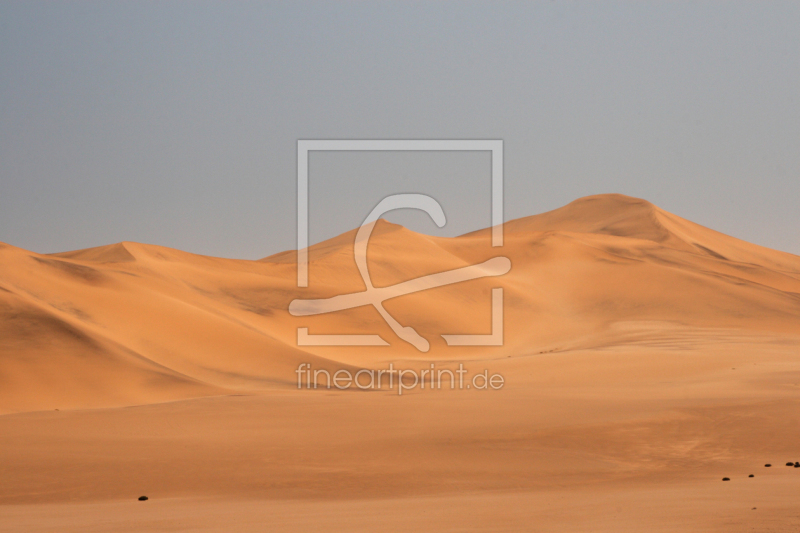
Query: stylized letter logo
point(375, 296)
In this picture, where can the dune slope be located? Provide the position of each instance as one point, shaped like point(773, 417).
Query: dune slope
point(131, 323)
point(644, 358)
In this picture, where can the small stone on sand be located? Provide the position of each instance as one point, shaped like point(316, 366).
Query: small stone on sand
point(726, 479)
point(142, 498)
point(751, 475)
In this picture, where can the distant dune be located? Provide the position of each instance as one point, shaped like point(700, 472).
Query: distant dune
point(131, 323)
point(644, 357)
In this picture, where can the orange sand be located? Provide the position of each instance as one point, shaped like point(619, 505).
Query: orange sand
point(645, 358)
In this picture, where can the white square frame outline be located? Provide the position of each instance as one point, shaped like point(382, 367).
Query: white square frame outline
point(304, 146)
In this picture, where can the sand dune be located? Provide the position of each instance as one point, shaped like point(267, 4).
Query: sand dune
point(644, 356)
point(188, 325)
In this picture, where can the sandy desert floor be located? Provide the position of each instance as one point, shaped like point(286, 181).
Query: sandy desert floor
point(645, 358)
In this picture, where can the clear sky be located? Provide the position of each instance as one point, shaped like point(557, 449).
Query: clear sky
point(176, 123)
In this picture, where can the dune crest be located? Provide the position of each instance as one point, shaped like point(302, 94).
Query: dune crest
point(131, 323)
point(112, 253)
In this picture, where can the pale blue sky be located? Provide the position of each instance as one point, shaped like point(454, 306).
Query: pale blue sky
point(176, 123)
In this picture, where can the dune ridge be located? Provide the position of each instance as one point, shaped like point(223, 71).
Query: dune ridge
point(131, 323)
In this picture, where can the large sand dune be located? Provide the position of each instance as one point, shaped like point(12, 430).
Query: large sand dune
point(645, 357)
